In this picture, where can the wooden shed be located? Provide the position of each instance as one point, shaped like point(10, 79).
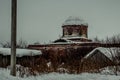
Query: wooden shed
point(100, 57)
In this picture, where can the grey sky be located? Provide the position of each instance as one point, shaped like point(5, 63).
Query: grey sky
point(41, 20)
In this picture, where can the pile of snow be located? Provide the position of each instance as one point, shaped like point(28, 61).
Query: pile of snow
point(4, 75)
point(111, 70)
point(74, 21)
point(20, 52)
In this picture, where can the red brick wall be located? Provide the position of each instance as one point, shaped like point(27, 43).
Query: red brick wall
point(79, 29)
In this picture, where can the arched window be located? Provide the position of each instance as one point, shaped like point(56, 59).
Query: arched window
point(70, 31)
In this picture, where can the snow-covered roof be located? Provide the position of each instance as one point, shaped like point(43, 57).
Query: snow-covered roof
point(74, 21)
point(62, 40)
point(74, 37)
point(67, 41)
point(20, 52)
point(111, 53)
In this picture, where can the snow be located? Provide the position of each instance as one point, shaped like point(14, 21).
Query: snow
point(111, 70)
point(20, 52)
point(70, 41)
point(66, 40)
point(4, 75)
point(49, 64)
point(74, 21)
point(111, 53)
point(74, 37)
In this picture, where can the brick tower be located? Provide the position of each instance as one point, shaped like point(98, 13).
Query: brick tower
point(75, 29)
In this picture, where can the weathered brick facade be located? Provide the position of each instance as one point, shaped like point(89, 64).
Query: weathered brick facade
point(75, 36)
point(75, 30)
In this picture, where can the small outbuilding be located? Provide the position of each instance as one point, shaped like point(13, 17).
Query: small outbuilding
point(24, 56)
point(100, 57)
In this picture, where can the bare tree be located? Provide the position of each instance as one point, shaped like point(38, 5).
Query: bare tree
point(115, 39)
point(6, 44)
point(22, 43)
point(115, 56)
point(37, 43)
point(96, 39)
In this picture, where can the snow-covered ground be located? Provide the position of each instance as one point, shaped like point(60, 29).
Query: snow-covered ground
point(4, 75)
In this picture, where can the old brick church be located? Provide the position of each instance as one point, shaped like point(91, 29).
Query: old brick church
point(75, 35)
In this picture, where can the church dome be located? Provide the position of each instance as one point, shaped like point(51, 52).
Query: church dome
point(74, 21)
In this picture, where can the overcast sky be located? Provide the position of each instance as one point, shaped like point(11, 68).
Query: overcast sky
point(41, 20)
